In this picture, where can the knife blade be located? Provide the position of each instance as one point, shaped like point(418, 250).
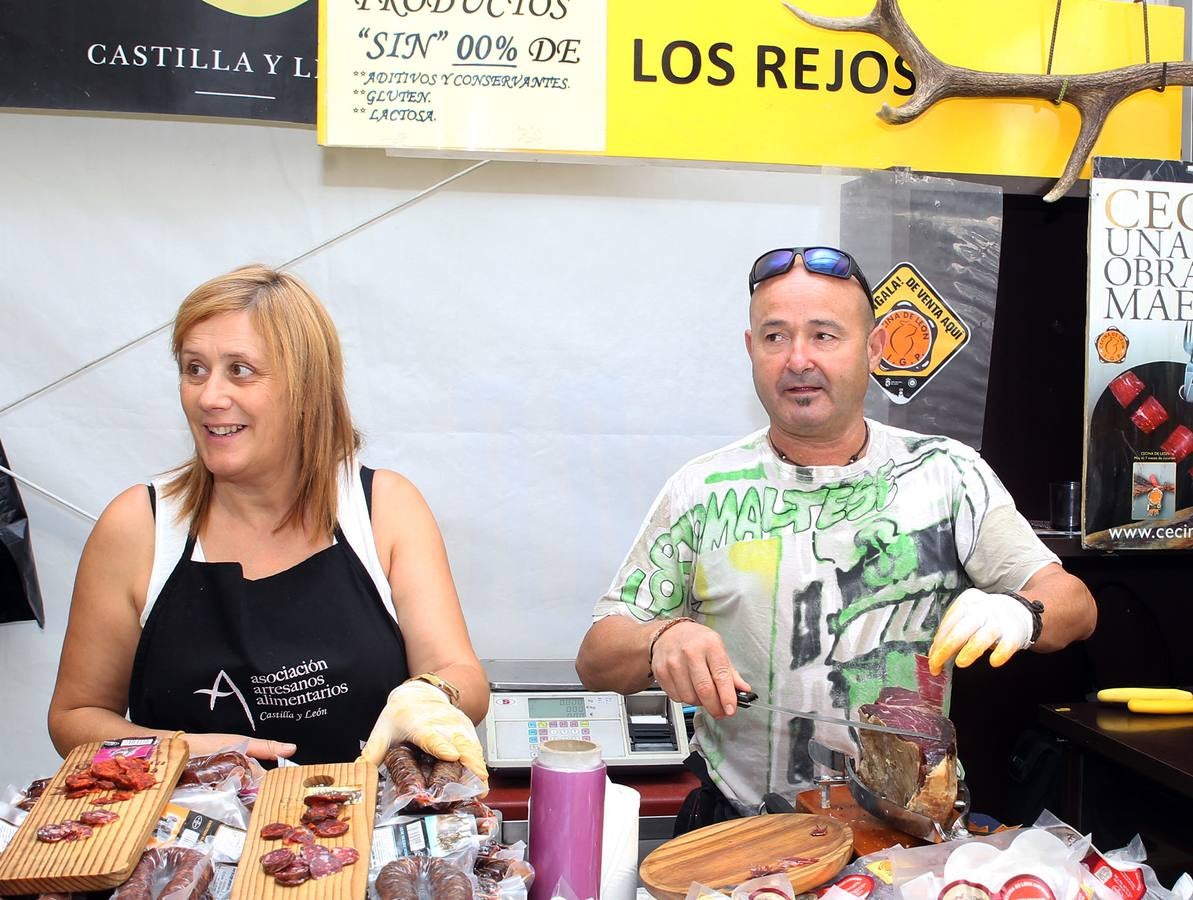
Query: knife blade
point(748, 699)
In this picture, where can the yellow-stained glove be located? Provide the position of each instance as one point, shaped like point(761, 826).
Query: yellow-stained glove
point(976, 622)
point(421, 714)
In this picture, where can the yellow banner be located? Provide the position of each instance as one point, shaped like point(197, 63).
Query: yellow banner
point(741, 82)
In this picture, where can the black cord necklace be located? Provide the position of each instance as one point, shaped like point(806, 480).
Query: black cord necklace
point(787, 459)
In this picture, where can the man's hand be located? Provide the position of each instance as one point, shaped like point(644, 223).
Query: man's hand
point(976, 622)
point(421, 714)
point(691, 666)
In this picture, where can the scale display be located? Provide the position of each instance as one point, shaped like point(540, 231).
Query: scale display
point(556, 708)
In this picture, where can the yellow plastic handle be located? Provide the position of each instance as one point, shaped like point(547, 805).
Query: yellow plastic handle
point(1164, 707)
point(1127, 694)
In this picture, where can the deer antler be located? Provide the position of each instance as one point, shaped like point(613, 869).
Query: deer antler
point(1094, 94)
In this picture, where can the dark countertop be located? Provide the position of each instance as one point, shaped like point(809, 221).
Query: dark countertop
point(1157, 746)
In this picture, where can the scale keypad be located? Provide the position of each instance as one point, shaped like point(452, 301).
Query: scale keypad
point(539, 730)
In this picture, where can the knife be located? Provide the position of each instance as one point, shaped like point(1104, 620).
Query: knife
point(747, 699)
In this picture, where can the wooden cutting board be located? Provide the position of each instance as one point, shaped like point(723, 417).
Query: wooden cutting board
point(104, 860)
point(280, 799)
point(721, 856)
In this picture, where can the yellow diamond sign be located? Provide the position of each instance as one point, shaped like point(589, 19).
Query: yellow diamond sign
point(922, 332)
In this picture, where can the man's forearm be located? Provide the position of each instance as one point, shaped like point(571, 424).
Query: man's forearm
point(1070, 613)
point(613, 655)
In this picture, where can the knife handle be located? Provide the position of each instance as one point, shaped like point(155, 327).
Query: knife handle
point(745, 698)
point(775, 803)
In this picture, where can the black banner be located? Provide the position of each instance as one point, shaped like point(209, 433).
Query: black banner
point(20, 595)
point(244, 59)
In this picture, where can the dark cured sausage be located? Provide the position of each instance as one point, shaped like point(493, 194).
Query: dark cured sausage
point(447, 882)
point(192, 873)
point(140, 883)
point(443, 773)
point(35, 790)
point(98, 817)
point(275, 831)
point(276, 860)
point(400, 880)
point(298, 836)
point(52, 834)
point(329, 828)
point(317, 812)
point(215, 768)
point(404, 771)
point(295, 874)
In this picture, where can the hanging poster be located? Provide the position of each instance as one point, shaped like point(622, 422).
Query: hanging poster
point(243, 59)
point(710, 81)
point(1139, 359)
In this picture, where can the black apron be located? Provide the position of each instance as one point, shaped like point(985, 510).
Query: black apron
point(307, 656)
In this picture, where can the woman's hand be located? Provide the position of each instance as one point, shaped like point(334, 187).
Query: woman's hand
point(421, 714)
point(206, 744)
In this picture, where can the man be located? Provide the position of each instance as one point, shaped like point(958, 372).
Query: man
point(813, 561)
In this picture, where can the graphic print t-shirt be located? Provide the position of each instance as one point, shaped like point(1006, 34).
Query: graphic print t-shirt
point(825, 583)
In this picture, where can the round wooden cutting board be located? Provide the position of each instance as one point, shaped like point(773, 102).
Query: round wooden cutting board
point(722, 855)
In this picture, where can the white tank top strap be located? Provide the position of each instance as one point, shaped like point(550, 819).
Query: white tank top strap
point(169, 541)
point(353, 514)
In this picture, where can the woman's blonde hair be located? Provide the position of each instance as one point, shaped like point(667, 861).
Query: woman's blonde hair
point(304, 349)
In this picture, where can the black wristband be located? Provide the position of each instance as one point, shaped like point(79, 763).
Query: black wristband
point(1036, 608)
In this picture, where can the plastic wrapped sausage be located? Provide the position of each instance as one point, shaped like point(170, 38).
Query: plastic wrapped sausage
point(416, 878)
point(168, 873)
point(404, 771)
point(419, 780)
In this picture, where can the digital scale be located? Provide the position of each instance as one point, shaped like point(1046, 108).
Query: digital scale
point(537, 700)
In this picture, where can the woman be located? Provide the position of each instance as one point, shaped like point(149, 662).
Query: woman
point(270, 590)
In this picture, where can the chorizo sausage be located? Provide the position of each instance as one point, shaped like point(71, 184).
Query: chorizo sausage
point(404, 771)
point(192, 873)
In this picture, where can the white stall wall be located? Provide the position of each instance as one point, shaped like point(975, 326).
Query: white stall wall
point(537, 346)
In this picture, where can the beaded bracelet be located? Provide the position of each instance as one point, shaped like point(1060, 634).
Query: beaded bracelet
point(658, 633)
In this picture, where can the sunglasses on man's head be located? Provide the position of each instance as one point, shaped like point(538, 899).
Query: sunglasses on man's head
point(821, 260)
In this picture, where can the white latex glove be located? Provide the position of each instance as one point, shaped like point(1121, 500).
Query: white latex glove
point(421, 714)
point(974, 623)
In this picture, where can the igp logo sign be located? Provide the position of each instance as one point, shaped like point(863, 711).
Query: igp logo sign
point(255, 8)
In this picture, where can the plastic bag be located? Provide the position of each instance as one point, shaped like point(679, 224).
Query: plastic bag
point(183, 826)
point(1011, 861)
point(413, 780)
point(768, 887)
point(451, 837)
point(699, 891)
point(11, 815)
point(867, 878)
point(20, 594)
point(30, 795)
point(168, 873)
point(228, 768)
point(488, 820)
point(502, 873)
